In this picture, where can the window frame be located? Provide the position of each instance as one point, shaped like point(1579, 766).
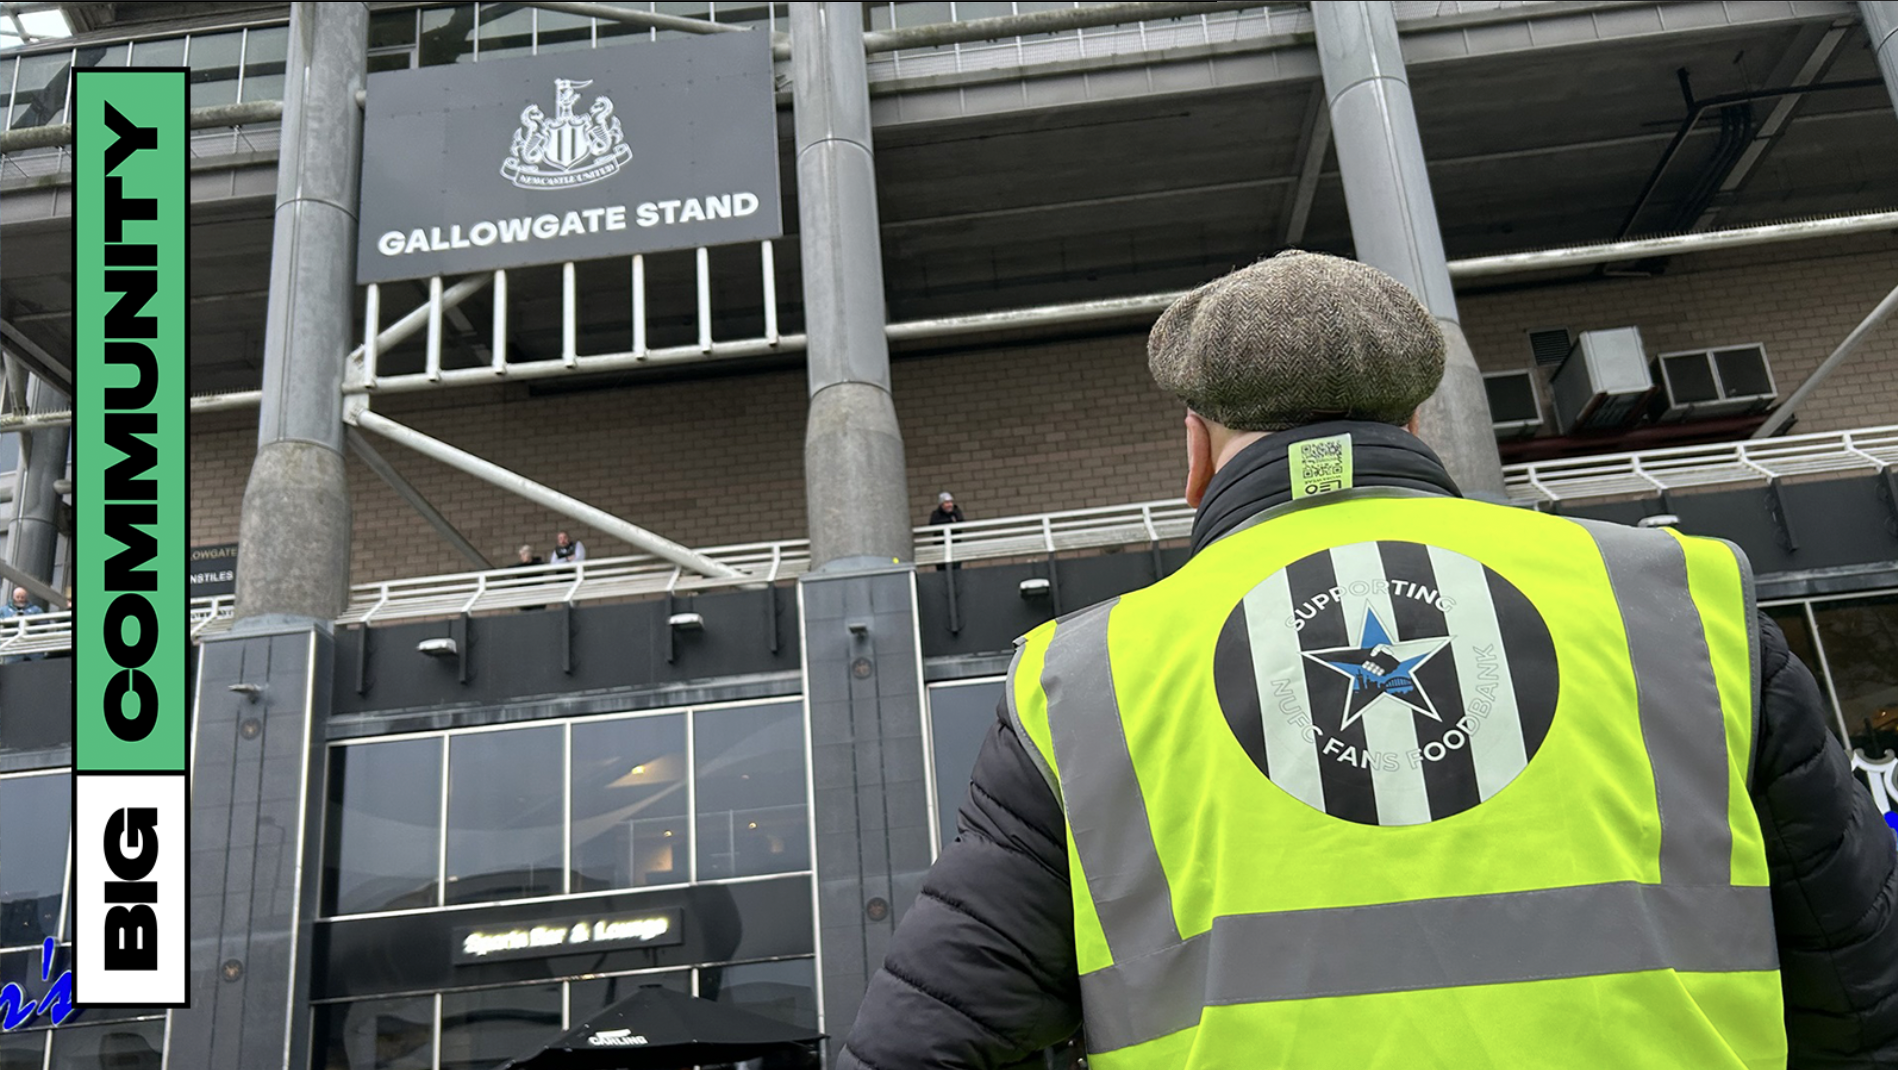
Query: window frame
point(690, 713)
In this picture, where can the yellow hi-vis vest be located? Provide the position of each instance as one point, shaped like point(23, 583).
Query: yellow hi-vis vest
point(1403, 781)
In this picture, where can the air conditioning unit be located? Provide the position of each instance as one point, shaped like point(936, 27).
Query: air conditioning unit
point(1712, 382)
point(1515, 408)
point(1604, 383)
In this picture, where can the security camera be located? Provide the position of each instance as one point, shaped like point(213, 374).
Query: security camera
point(438, 648)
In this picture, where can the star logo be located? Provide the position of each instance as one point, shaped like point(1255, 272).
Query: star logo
point(1381, 668)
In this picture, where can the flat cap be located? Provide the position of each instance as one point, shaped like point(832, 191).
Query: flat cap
point(1295, 339)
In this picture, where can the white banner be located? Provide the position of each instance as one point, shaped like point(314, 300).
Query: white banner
point(129, 932)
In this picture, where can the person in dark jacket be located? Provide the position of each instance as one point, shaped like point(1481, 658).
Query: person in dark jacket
point(946, 511)
point(981, 973)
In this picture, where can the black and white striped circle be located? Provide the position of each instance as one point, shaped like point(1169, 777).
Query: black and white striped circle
point(1387, 683)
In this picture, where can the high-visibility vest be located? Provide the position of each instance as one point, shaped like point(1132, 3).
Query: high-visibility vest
point(1408, 781)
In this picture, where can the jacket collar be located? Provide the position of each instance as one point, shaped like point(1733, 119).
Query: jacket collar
point(1259, 477)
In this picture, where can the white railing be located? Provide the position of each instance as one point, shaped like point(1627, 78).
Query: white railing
point(636, 575)
point(41, 633)
point(1682, 467)
point(1074, 530)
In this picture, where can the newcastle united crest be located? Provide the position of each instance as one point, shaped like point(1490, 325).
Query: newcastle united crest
point(568, 150)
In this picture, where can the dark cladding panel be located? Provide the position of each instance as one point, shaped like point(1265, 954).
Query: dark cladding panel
point(36, 700)
point(990, 610)
point(256, 791)
point(871, 796)
point(1834, 524)
point(513, 657)
point(413, 952)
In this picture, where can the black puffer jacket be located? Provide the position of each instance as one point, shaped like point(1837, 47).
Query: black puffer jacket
point(981, 973)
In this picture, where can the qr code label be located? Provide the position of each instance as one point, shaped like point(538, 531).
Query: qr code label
point(1320, 466)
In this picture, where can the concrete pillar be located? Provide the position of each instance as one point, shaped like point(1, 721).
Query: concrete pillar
point(856, 485)
point(1394, 219)
point(33, 537)
point(1881, 25)
point(257, 752)
point(294, 534)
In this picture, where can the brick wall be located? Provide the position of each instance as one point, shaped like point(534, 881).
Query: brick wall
point(1014, 428)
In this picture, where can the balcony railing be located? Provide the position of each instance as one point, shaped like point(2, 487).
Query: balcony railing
point(1076, 530)
point(1682, 467)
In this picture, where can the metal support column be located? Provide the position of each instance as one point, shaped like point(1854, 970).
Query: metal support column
point(294, 533)
point(855, 480)
point(33, 537)
point(264, 688)
point(862, 654)
point(1394, 219)
point(1881, 25)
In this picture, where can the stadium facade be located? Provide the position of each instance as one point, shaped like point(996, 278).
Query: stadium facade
point(723, 749)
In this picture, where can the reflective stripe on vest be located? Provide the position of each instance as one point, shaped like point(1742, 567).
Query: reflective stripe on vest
point(1695, 920)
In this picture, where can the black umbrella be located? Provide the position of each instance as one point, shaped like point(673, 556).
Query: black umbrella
point(659, 1029)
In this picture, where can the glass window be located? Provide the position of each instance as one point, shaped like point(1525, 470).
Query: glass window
point(390, 29)
point(447, 35)
point(169, 52)
point(119, 1046)
point(1792, 621)
point(751, 813)
point(39, 96)
point(102, 56)
point(9, 452)
point(215, 58)
point(960, 718)
point(1861, 647)
point(506, 30)
point(590, 997)
point(265, 52)
point(391, 61)
point(33, 838)
point(505, 814)
point(376, 1034)
point(22, 1051)
point(6, 84)
point(481, 1030)
point(557, 31)
point(786, 991)
point(630, 804)
point(385, 820)
point(970, 10)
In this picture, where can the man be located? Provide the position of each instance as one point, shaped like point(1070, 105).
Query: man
point(567, 551)
point(20, 606)
point(946, 511)
point(527, 558)
point(1384, 777)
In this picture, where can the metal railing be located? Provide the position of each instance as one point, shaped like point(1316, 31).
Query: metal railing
point(1069, 531)
point(1683, 467)
point(41, 633)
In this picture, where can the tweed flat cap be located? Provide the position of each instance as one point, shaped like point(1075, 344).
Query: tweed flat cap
point(1295, 339)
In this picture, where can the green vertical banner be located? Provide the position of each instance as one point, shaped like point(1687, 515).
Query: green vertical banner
point(130, 641)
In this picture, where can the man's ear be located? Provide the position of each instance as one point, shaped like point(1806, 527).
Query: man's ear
point(1199, 458)
point(1412, 424)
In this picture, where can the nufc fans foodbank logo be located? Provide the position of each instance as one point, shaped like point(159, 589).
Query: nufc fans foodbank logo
point(1387, 683)
point(569, 150)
